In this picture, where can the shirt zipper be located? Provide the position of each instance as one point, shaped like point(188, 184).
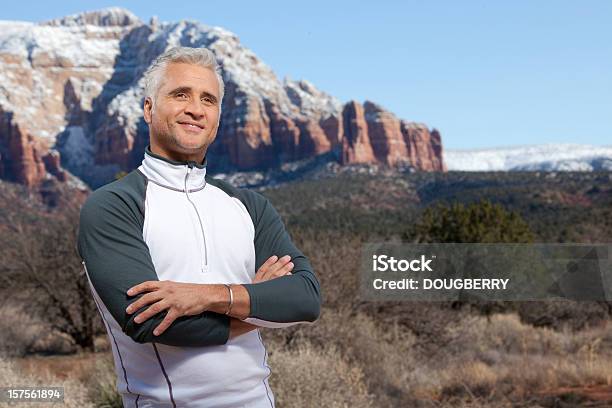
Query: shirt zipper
point(204, 252)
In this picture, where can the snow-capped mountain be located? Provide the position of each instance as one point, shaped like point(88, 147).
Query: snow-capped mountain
point(546, 157)
point(71, 102)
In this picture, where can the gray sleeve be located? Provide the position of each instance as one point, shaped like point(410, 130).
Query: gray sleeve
point(116, 258)
point(289, 299)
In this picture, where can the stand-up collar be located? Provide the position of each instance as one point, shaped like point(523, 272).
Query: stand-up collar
point(171, 173)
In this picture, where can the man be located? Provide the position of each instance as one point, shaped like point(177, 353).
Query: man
point(171, 255)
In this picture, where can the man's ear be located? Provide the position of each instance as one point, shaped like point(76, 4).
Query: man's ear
point(148, 109)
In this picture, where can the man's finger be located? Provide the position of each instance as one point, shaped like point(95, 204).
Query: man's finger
point(146, 299)
point(168, 320)
point(151, 311)
point(264, 267)
point(143, 287)
point(287, 268)
point(269, 261)
point(275, 267)
point(280, 269)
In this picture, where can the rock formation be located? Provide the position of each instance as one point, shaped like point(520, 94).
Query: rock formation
point(71, 104)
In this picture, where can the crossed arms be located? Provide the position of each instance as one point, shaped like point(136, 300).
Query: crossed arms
point(187, 299)
point(117, 259)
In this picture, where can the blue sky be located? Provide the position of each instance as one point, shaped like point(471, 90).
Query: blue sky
point(485, 73)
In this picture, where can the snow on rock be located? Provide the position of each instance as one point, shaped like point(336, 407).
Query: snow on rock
point(108, 17)
point(310, 100)
point(546, 157)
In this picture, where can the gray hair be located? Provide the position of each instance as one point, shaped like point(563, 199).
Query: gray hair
point(197, 56)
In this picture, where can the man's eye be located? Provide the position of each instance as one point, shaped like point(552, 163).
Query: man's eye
point(208, 100)
point(181, 95)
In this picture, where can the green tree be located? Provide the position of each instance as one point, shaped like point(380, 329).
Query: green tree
point(482, 222)
point(479, 222)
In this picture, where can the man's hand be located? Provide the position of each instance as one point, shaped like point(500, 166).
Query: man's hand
point(274, 268)
point(187, 299)
point(182, 299)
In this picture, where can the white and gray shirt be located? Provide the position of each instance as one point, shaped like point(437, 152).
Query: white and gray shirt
point(169, 220)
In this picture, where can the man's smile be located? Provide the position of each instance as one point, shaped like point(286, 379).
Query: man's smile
point(191, 126)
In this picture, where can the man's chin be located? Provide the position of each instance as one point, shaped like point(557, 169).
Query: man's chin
point(190, 146)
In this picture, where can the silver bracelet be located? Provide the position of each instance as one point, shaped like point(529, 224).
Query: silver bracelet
point(231, 302)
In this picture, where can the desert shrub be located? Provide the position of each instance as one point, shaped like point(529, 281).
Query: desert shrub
point(335, 259)
point(383, 352)
point(24, 332)
point(559, 314)
point(307, 376)
point(41, 268)
point(19, 331)
point(502, 359)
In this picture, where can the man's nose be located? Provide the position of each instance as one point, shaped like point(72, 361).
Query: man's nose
point(195, 108)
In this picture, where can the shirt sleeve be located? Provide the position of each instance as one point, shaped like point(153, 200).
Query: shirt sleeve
point(289, 299)
point(116, 258)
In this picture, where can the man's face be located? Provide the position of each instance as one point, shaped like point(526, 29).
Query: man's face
point(185, 118)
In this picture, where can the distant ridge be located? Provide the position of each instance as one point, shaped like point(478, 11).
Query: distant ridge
point(545, 157)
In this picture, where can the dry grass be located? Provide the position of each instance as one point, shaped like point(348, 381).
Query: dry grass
point(382, 354)
point(355, 360)
point(102, 383)
point(88, 378)
point(503, 359)
point(386, 355)
point(75, 393)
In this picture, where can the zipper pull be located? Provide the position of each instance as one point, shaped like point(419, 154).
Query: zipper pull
point(186, 177)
